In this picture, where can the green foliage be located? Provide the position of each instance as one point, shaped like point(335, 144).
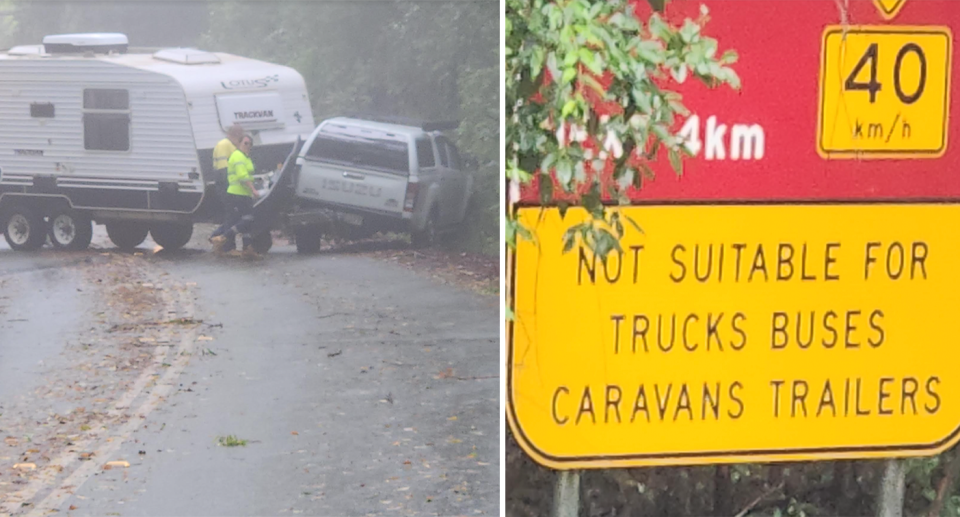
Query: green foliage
point(8, 24)
point(565, 50)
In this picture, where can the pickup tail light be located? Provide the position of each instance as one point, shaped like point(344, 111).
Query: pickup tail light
point(411, 196)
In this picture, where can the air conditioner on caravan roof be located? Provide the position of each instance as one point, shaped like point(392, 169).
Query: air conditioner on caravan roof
point(96, 42)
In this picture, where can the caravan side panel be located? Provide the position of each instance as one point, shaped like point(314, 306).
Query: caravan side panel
point(160, 170)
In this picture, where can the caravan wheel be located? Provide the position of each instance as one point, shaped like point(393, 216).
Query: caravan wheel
point(172, 236)
point(24, 229)
point(70, 230)
point(127, 235)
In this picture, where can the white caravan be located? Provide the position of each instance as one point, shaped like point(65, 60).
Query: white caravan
point(92, 130)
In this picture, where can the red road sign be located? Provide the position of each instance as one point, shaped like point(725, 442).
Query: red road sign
point(782, 48)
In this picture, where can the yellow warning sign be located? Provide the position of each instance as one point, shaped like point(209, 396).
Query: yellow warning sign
point(889, 8)
point(728, 334)
point(884, 92)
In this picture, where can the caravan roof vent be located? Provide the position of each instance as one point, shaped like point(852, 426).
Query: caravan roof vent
point(26, 50)
point(75, 43)
point(187, 56)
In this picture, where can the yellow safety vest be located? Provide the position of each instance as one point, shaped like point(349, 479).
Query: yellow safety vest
point(221, 154)
point(239, 171)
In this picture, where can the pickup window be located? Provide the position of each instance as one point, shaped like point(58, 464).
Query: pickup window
point(425, 153)
point(453, 155)
point(363, 152)
point(449, 156)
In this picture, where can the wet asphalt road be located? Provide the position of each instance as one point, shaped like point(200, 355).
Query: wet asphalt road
point(358, 387)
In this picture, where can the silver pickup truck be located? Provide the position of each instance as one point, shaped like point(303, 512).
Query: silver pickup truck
point(381, 176)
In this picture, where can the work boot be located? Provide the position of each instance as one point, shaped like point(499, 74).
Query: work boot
point(250, 253)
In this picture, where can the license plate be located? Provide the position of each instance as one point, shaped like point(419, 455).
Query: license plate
point(353, 219)
point(884, 92)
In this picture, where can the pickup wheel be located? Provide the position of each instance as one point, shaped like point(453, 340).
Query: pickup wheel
point(70, 230)
point(428, 236)
point(308, 239)
point(127, 235)
point(24, 229)
point(172, 236)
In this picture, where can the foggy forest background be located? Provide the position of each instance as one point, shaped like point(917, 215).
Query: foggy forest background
point(427, 59)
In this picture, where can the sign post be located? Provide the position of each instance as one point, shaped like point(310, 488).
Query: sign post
point(793, 296)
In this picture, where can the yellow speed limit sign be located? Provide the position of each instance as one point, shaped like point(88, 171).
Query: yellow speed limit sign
point(884, 92)
point(737, 333)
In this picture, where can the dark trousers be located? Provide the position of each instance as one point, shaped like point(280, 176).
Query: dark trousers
point(239, 217)
point(220, 188)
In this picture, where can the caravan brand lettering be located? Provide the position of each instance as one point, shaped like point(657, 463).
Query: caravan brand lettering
point(250, 83)
point(244, 115)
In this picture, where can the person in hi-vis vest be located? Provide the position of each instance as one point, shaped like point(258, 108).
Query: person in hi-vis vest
point(221, 158)
point(241, 195)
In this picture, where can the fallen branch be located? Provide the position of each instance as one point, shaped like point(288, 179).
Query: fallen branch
point(758, 500)
point(135, 326)
point(332, 315)
point(760, 504)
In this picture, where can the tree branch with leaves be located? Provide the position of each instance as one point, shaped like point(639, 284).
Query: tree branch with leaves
point(588, 104)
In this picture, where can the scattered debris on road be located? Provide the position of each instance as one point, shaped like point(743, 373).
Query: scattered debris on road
point(230, 441)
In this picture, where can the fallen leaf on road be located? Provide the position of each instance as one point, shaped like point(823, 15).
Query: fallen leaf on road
point(123, 464)
point(204, 338)
point(334, 354)
point(294, 433)
point(72, 507)
point(452, 418)
point(25, 466)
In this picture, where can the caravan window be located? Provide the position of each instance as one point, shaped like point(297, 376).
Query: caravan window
point(106, 120)
point(360, 151)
